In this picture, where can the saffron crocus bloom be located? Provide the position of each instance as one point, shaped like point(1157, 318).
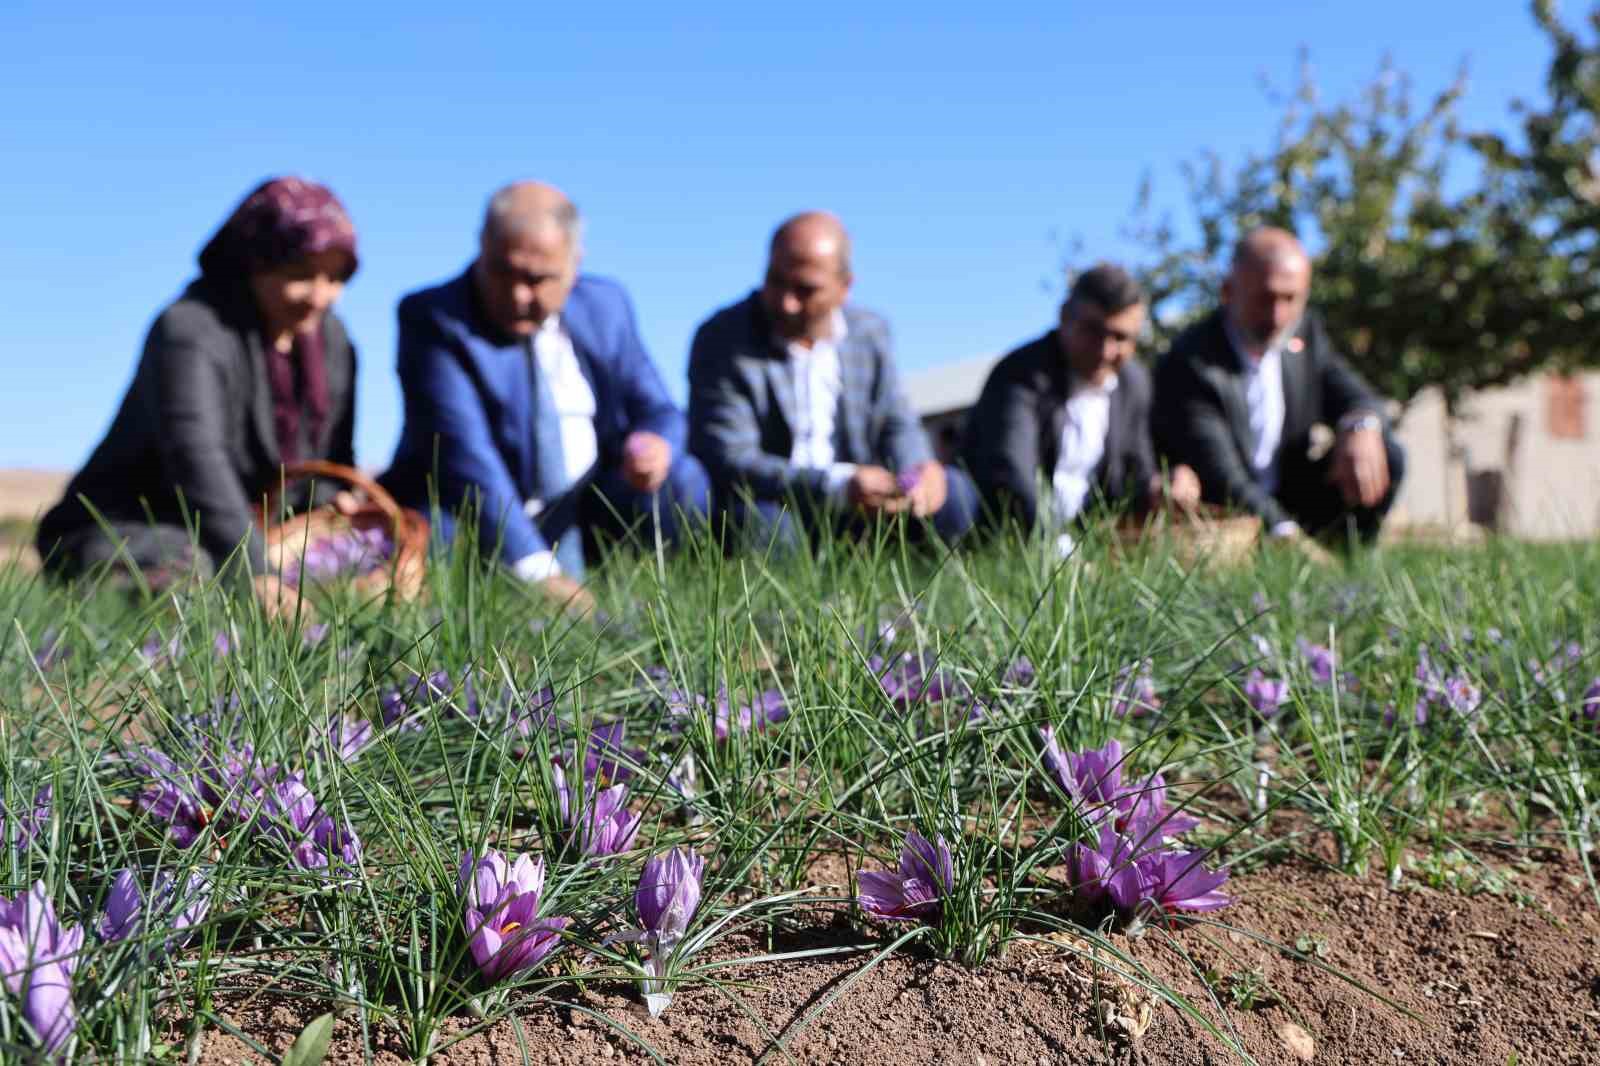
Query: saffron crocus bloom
point(1020, 673)
point(1319, 661)
point(668, 893)
point(18, 831)
point(504, 931)
point(1589, 709)
point(1180, 882)
point(907, 480)
point(224, 788)
point(1105, 869)
point(769, 708)
point(1461, 695)
point(1135, 691)
point(1265, 694)
point(1143, 812)
point(925, 876)
point(911, 679)
point(1092, 779)
point(606, 760)
point(348, 734)
point(598, 820)
point(37, 959)
point(291, 813)
point(125, 906)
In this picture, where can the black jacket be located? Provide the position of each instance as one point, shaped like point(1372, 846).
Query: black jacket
point(196, 425)
point(1202, 417)
point(1013, 435)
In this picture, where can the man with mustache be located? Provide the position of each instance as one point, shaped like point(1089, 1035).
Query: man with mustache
point(1064, 420)
point(1238, 393)
point(531, 405)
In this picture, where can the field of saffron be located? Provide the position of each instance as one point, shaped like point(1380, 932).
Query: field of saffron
point(872, 807)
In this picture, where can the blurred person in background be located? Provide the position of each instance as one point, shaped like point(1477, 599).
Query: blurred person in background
point(532, 406)
point(1063, 422)
point(796, 409)
point(1239, 392)
point(248, 370)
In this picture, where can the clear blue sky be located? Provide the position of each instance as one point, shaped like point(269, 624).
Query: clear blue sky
point(954, 139)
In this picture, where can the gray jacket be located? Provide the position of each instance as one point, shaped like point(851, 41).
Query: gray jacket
point(742, 404)
point(193, 441)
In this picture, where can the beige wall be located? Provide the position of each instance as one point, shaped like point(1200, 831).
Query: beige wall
point(1549, 483)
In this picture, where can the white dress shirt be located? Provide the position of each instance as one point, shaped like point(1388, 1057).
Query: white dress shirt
point(1083, 445)
point(1263, 394)
point(817, 385)
point(575, 406)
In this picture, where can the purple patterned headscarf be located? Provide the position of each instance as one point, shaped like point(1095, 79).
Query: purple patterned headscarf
point(282, 221)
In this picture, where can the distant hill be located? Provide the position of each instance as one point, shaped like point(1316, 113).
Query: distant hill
point(25, 494)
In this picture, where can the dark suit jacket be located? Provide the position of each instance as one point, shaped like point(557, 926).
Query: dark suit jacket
point(196, 425)
point(1202, 418)
point(1013, 434)
point(467, 403)
point(742, 404)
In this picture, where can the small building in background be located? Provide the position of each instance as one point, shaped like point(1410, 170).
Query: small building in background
point(1523, 460)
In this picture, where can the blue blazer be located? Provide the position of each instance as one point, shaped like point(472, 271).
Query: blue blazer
point(468, 431)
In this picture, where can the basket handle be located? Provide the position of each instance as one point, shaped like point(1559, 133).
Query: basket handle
point(321, 468)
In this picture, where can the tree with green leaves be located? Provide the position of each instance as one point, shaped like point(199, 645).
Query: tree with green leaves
point(1422, 282)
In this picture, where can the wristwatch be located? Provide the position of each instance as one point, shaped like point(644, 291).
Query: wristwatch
point(1359, 420)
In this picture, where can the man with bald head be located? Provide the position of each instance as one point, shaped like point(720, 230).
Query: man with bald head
point(1237, 396)
point(795, 405)
point(531, 405)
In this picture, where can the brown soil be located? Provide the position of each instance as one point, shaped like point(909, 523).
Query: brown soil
point(1487, 978)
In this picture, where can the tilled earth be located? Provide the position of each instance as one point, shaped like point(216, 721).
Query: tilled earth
point(1500, 969)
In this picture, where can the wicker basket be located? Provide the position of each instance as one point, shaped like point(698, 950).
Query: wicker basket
point(402, 576)
point(1207, 535)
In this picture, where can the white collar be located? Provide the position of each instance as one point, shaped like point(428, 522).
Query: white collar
point(1078, 387)
point(838, 329)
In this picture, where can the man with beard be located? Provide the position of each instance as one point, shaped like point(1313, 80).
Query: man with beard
point(1238, 393)
point(1064, 420)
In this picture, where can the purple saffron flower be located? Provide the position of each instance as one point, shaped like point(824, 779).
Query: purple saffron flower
point(156, 652)
point(225, 788)
point(1143, 812)
point(1265, 694)
point(769, 708)
point(925, 876)
point(222, 644)
point(1461, 695)
point(125, 907)
point(1020, 673)
point(1091, 779)
point(291, 814)
point(37, 959)
point(911, 679)
point(606, 760)
point(668, 893)
point(1589, 709)
point(907, 480)
point(598, 821)
point(1179, 882)
point(1105, 870)
point(19, 831)
point(1135, 691)
point(348, 734)
point(315, 634)
point(504, 931)
point(1319, 661)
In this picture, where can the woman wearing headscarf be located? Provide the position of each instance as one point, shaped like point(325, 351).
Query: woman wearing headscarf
point(246, 371)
